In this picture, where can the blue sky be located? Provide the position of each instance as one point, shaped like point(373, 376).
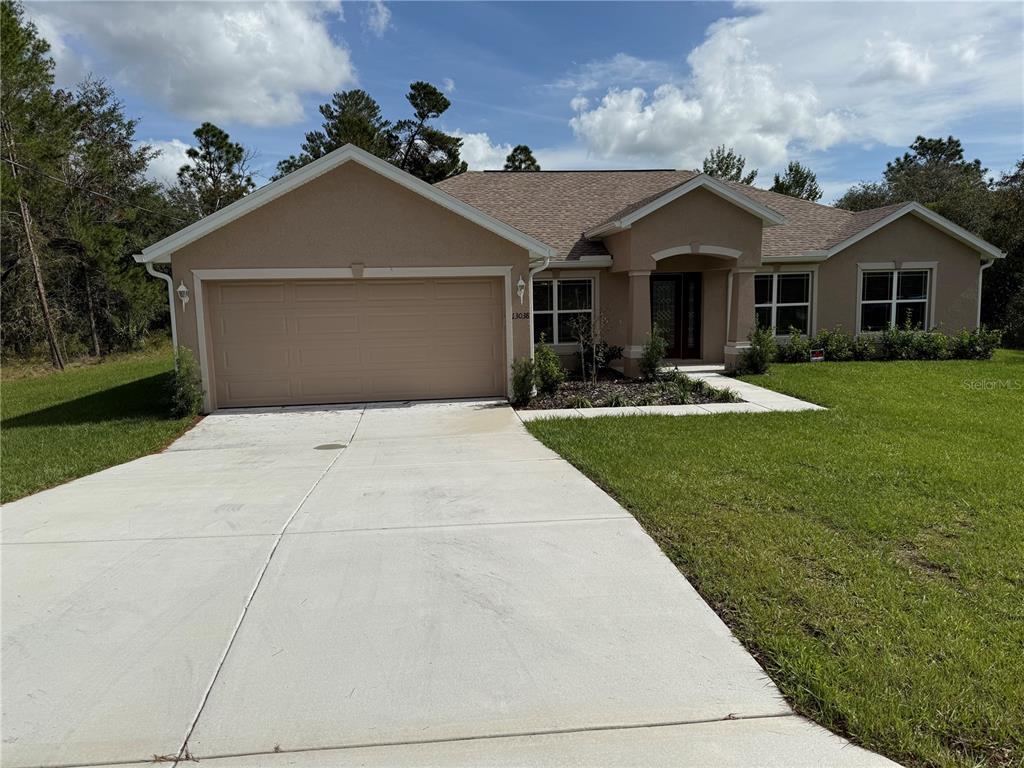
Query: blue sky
point(842, 87)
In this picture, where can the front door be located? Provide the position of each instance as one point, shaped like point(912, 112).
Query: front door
point(675, 308)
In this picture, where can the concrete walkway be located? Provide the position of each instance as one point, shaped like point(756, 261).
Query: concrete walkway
point(390, 585)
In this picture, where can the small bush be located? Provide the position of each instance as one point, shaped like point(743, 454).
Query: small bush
point(524, 377)
point(904, 343)
point(580, 401)
point(593, 358)
point(978, 344)
point(796, 350)
point(897, 343)
point(549, 373)
point(186, 388)
point(865, 348)
point(618, 400)
point(837, 345)
point(653, 354)
point(761, 352)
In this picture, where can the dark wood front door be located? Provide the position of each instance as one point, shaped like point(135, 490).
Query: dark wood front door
point(675, 308)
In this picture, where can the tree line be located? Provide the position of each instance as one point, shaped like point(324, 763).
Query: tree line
point(77, 203)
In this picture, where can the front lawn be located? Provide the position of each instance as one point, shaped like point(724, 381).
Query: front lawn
point(870, 556)
point(60, 426)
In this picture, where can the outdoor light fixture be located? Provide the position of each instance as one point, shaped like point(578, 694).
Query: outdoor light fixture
point(521, 288)
point(182, 292)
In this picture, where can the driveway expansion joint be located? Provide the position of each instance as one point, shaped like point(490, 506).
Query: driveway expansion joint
point(183, 752)
point(731, 718)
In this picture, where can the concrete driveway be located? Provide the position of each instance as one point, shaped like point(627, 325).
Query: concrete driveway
point(383, 585)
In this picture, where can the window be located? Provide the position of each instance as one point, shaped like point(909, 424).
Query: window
point(556, 304)
point(894, 297)
point(782, 300)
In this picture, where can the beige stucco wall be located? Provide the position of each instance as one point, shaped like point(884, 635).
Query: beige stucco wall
point(954, 283)
point(349, 215)
point(697, 218)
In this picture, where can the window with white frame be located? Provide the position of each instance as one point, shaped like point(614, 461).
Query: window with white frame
point(782, 300)
point(556, 304)
point(893, 297)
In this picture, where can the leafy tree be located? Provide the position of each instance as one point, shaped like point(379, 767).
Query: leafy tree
point(423, 150)
point(727, 165)
point(935, 174)
point(351, 117)
point(521, 159)
point(105, 202)
point(797, 181)
point(75, 206)
point(411, 144)
point(1003, 287)
point(35, 128)
point(864, 196)
point(219, 172)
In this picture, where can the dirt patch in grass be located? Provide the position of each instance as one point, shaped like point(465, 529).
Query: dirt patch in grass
point(610, 393)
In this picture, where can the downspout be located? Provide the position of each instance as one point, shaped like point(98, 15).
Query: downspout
point(543, 265)
point(981, 277)
point(170, 305)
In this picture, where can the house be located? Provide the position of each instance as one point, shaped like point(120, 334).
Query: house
point(350, 280)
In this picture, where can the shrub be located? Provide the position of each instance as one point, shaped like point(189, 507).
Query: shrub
point(579, 401)
point(653, 353)
point(929, 346)
point(796, 350)
point(897, 343)
point(186, 387)
point(978, 344)
point(837, 345)
point(725, 395)
point(618, 400)
point(548, 371)
point(904, 343)
point(524, 376)
point(595, 357)
point(865, 348)
point(761, 352)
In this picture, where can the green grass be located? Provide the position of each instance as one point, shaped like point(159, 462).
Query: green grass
point(60, 426)
point(871, 556)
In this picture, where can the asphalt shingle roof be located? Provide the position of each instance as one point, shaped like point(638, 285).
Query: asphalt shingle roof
point(556, 207)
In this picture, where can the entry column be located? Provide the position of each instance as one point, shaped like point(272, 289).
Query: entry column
point(741, 314)
point(638, 325)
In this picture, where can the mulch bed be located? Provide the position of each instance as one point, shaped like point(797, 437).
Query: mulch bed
point(626, 392)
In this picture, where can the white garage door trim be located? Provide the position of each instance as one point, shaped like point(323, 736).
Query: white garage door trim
point(337, 273)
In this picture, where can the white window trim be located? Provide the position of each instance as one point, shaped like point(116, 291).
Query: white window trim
point(930, 268)
point(336, 273)
point(812, 296)
point(554, 311)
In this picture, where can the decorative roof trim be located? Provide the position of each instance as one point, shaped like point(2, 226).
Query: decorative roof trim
point(701, 181)
point(161, 251)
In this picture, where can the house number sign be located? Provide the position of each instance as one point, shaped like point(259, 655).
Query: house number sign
point(520, 315)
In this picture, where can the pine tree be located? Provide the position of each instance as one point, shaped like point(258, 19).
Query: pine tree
point(521, 159)
point(727, 165)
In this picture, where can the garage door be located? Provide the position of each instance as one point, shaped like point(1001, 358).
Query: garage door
point(295, 342)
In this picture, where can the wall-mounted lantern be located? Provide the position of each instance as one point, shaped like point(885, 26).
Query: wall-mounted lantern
point(521, 288)
point(182, 292)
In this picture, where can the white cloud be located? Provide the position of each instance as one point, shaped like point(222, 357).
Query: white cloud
point(224, 62)
point(448, 84)
point(164, 167)
point(622, 69)
point(579, 103)
point(480, 153)
point(895, 60)
point(790, 78)
point(378, 17)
